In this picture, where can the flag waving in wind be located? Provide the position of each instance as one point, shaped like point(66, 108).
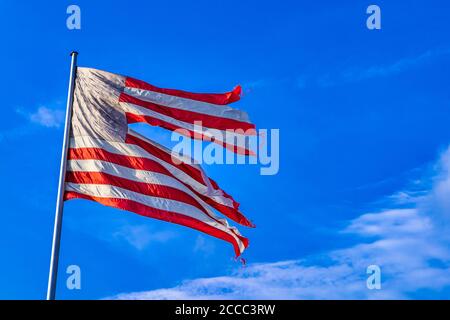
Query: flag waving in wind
point(111, 164)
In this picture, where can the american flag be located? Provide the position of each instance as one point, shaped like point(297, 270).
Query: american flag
point(111, 164)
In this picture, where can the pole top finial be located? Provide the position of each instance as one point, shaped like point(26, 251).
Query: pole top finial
point(74, 53)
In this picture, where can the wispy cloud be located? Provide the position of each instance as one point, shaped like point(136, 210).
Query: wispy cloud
point(203, 245)
point(351, 74)
point(119, 231)
point(263, 83)
point(50, 118)
point(42, 116)
point(408, 240)
point(141, 236)
point(357, 74)
point(394, 68)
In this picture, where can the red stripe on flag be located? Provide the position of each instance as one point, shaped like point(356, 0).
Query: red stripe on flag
point(214, 98)
point(194, 172)
point(132, 162)
point(166, 157)
point(153, 190)
point(168, 216)
point(207, 120)
point(140, 163)
point(134, 118)
point(186, 168)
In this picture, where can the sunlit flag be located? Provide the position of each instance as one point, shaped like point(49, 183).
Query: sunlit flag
point(111, 164)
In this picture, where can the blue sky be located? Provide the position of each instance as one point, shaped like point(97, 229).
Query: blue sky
point(364, 161)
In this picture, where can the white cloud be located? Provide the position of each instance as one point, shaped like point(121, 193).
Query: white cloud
point(119, 231)
point(410, 244)
point(43, 116)
point(141, 236)
point(203, 245)
point(396, 67)
point(356, 74)
point(281, 280)
point(50, 118)
point(389, 222)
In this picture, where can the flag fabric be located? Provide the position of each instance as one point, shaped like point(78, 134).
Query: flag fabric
point(111, 164)
point(176, 109)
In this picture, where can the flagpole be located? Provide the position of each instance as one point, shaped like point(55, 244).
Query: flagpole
point(53, 273)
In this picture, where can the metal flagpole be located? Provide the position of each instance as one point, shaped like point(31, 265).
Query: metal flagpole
point(62, 174)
